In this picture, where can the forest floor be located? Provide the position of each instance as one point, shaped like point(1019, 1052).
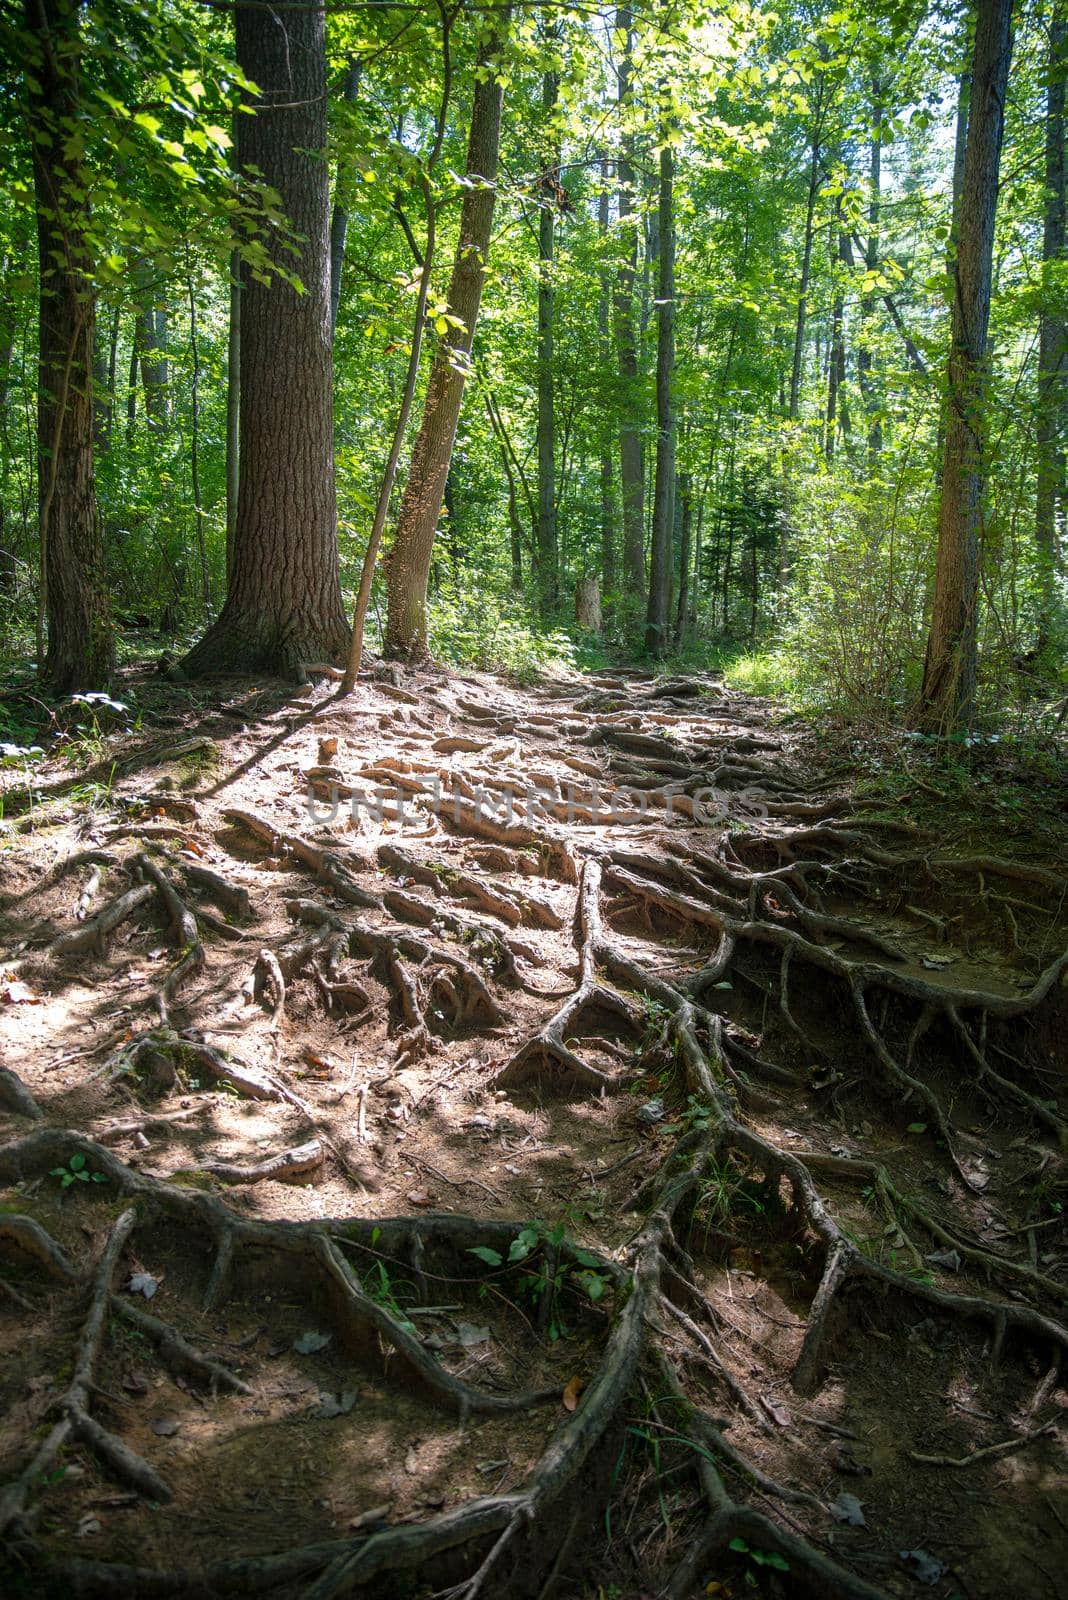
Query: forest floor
point(478, 1193)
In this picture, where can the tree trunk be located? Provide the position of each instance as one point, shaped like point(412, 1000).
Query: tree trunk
point(588, 603)
point(194, 445)
point(73, 592)
point(284, 601)
point(682, 614)
point(409, 561)
point(548, 558)
point(949, 670)
point(658, 615)
point(806, 254)
point(607, 476)
point(630, 442)
point(233, 411)
point(865, 365)
point(1052, 333)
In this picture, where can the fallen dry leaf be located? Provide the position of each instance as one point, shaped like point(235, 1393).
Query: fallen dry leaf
point(17, 993)
point(572, 1390)
point(420, 1197)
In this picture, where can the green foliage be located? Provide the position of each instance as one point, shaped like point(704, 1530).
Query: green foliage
point(538, 1250)
point(77, 1171)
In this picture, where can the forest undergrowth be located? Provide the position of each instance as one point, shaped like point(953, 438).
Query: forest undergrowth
point(588, 1138)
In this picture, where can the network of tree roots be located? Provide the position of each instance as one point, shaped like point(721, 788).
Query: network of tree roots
point(461, 1203)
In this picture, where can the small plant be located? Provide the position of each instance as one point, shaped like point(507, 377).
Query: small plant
point(760, 1558)
point(540, 1246)
point(76, 1171)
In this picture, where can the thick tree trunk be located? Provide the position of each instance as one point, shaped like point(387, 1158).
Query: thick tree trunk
point(73, 592)
point(408, 567)
point(284, 601)
point(658, 615)
point(949, 670)
point(630, 440)
point(548, 555)
point(1052, 333)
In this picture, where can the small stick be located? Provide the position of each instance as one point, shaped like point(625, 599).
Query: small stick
point(1006, 1447)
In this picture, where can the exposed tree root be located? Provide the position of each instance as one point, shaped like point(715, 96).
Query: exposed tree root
point(773, 893)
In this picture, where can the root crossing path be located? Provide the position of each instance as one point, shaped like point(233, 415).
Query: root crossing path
point(469, 1140)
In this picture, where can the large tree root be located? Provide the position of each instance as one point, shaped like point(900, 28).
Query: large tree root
point(549, 1047)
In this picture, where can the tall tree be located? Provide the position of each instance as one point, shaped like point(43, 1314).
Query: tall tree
point(283, 605)
point(630, 439)
point(548, 576)
point(408, 568)
point(1052, 327)
point(948, 691)
point(658, 615)
point(73, 594)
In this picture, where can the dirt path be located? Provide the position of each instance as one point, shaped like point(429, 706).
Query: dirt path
point(576, 1150)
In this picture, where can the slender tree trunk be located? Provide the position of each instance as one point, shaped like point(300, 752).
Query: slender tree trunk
point(194, 446)
point(865, 363)
point(339, 220)
point(548, 556)
point(950, 667)
point(409, 562)
point(233, 411)
point(682, 614)
point(630, 442)
point(73, 592)
point(806, 253)
point(1052, 332)
point(658, 615)
point(609, 580)
point(284, 601)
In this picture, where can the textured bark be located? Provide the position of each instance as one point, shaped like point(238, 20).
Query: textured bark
point(630, 441)
point(73, 591)
point(1052, 331)
point(409, 563)
point(548, 579)
point(284, 601)
point(658, 616)
point(950, 667)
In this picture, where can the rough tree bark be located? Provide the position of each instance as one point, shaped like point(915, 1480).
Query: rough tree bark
point(630, 439)
point(408, 566)
point(73, 594)
point(284, 601)
point(1052, 331)
point(658, 615)
point(948, 689)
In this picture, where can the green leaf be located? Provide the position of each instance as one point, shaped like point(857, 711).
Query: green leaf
point(916, 1127)
point(738, 1543)
point(77, 1163)
point(492, 1258)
